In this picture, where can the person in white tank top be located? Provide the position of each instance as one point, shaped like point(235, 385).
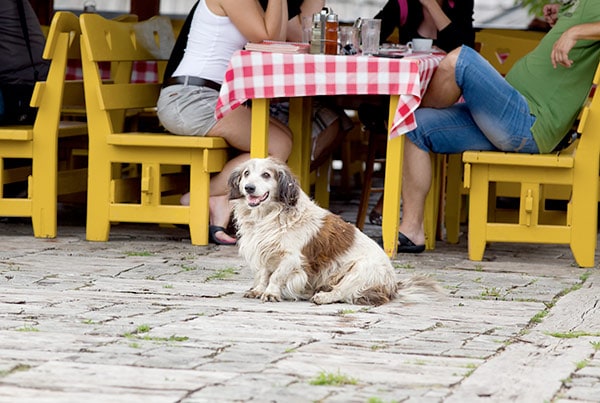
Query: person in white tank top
point(188, 99)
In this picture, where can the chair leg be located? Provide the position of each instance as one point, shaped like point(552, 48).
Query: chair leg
point(452, 206)
point(198, 209)
point(432, 202)
point(97, 225)
point(368, 180)
point(478, 212)
point(584, 219)
point(322, 183)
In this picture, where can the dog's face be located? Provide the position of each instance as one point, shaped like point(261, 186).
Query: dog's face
point(259, 181)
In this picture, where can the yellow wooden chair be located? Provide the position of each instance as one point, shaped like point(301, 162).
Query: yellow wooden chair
point(48, 176)
point(576, 167)
point(149, 192)
point(502, 48)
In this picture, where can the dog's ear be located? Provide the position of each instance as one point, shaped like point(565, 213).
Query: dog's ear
point(234, 184)
point(289, 189)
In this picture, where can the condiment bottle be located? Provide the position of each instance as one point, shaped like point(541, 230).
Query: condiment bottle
point(331, 34)
point(316, 42)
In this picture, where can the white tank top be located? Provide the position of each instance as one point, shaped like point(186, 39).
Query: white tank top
point(211, 43)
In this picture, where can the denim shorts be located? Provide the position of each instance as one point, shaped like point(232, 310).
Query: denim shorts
point(494, 116)
point(187, 109)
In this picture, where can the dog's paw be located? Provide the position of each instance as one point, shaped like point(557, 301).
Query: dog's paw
point(321, 298)
point(270, 297)
point(253, 293)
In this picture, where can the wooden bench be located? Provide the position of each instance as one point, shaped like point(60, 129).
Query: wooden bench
point(137, 176)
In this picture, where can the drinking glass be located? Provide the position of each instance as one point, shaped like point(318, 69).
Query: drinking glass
point(306, 28)
point(349, 40)
point(369, 33)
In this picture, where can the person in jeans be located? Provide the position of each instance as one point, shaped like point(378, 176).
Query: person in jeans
point(213, 31)
point(530, 111)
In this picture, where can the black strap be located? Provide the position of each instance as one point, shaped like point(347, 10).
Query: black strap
point(180, 45)
point(25, 29)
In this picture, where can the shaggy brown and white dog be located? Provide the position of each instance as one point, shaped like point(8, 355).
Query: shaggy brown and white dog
point(299, 250)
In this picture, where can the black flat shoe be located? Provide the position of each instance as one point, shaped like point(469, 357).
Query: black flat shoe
point(405, 245)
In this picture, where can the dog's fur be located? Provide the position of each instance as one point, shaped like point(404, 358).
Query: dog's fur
point(299, 250)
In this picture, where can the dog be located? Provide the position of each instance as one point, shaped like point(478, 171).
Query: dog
point(300, 251)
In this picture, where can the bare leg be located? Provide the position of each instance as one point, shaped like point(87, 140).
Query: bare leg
point(416, 181)
point(327, 141)
point(442, 90)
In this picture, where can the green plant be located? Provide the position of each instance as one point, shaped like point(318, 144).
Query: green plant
point(535, 7)
point(222, 274)
point(537, 318)
point(28, 329)
point(572, 334)
point(336, 379)
point(491, 292)
point(133, 253)
point(342, 312)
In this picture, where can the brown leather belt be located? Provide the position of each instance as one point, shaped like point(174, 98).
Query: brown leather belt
point(191, 80)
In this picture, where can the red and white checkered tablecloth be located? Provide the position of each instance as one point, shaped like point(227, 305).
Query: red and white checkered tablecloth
point(141, 72)
point(276, 75)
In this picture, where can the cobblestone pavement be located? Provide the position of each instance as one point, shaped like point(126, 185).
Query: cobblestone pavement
point(147, 317)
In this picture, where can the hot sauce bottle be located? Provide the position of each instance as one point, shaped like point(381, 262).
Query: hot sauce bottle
point(331, 34)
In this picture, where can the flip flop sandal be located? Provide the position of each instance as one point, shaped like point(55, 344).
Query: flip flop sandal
point(405, 245)
point(212, 230)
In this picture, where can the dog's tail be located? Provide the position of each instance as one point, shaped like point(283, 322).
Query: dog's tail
point(418, 288)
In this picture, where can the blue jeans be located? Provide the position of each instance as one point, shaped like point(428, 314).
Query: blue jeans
point(494, 116)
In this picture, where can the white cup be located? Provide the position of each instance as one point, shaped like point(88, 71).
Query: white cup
point(420, 45)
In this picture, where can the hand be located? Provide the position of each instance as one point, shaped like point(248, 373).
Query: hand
point(551, 13)
point(561, 48)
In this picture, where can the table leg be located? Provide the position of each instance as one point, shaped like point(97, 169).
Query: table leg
point(392, 186)
point(260, 128)
point(300, 124)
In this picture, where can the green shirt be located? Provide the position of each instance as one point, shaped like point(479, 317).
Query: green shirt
point(555, 95)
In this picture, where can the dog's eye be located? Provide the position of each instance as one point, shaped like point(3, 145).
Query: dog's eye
point(246, 173)
point(266, 175)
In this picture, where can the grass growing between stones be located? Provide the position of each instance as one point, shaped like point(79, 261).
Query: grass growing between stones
point(333, 379)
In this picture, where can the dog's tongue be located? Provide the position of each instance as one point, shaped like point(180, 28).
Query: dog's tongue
point(254, 200)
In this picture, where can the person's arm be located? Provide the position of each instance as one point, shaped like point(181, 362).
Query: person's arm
point(460, 30)
point(256, 26)
point(390, 19)
point(294, 25)
point(434, 9)
point(564, 44)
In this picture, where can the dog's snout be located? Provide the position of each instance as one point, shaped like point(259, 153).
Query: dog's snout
point(250, 188)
